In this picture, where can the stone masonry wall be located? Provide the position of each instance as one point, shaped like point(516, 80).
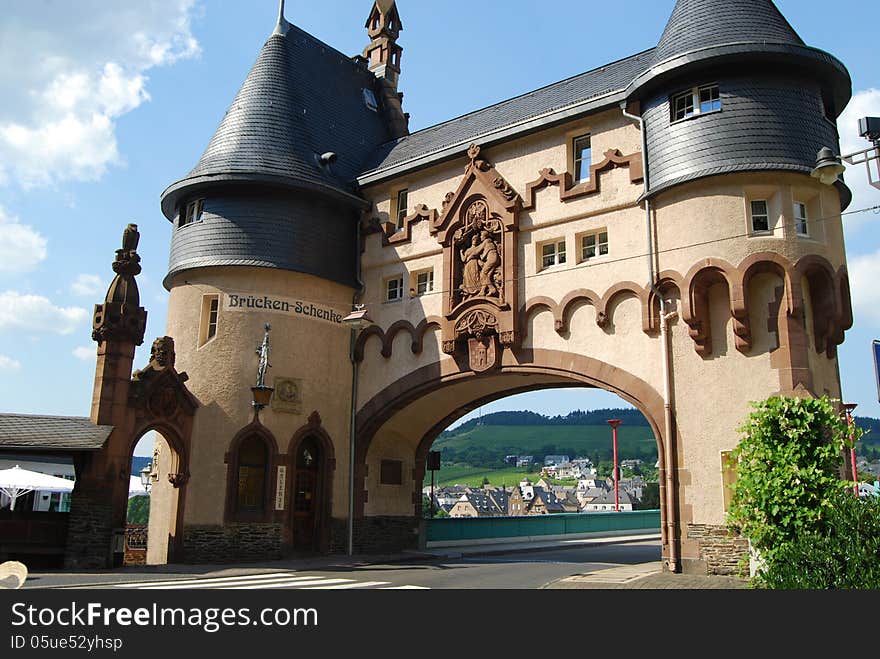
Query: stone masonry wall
point(228, 544)
point(376, 535)
point(90, 533)
point(721, 548)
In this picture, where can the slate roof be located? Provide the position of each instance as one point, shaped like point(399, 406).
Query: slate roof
point(302, 98)
point(696, 24)
point(51, 433)
point(556, 102)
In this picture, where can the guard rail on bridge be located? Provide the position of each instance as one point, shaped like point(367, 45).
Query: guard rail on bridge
point(449, 532)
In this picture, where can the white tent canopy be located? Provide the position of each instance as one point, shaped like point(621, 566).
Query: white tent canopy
point(17, 481)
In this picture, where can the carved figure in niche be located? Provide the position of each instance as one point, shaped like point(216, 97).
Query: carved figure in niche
point(470, 278)
point(490, 260)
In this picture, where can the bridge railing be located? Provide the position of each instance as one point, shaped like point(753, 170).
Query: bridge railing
point(487, 530)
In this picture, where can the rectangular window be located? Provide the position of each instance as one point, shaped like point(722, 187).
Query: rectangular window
point(760, 216)
point(593, 245)
point(394, 289)
point(553, 254)
point(800, 219)
point(192, 212)
point(424, 282)
point(402, 205)
point(683, 106)
point(391, 472)
point(582, 151)
point(698, 100)
point(212, 317)
point(209, 319)
point(710, 99)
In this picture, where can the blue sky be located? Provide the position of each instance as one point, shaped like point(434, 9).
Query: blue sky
point(106, 103)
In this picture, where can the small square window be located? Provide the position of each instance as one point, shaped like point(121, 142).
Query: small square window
point(553, 254)
point(800, 219)
point(582, 150)
point(760, 216)
point(710, 99)
point(425, 282)
point(394, 289)
point(683, 106)
point(593, 245)
point(391, 472)
point(402, 205)
point(695, 101)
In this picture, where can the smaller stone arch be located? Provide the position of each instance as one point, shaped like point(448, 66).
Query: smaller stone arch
point(566, 306)
point(667, 281)
point(695, 305)
point(826, 302)
point(255, 429)
point(533, 305)
point(619, 290)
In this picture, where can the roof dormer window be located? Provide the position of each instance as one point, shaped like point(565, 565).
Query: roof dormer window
point(370, 100)
point(695, 101)
point(192, 212)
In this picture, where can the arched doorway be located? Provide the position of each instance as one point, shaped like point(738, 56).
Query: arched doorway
point(306, 494)
point(312, 464)
point(154, 538)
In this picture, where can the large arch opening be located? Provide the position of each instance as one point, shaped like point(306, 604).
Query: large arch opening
point(400, 425)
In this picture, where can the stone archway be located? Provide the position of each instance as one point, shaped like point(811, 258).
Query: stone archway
point(401, 422)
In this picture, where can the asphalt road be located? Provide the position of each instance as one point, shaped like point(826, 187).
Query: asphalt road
point(520, 570)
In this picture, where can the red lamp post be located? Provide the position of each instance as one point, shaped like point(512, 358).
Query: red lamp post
point(849, 407)
point(614, 423)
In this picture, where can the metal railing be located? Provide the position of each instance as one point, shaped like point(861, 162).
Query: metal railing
point(538, 527)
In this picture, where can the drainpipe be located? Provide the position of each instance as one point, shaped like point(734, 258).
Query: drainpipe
point(359, 291)
point(671, 516)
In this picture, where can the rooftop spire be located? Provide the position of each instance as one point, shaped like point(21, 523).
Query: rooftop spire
point(282, 26)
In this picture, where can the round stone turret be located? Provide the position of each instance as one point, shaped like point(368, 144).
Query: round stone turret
point(733, 88)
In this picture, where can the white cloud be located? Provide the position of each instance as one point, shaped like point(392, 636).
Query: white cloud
point(864, 273)
point(21, 247)
point(85, 353)
point(9, 364)
point(864, 103)
point(87, 285)
point(37, 314)
point(69, 70)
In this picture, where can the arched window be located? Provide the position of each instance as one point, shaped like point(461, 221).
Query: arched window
point(252, 461)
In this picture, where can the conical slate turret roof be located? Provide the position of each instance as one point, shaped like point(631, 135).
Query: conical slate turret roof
point(301, 99)
point(697, 24)
point(702, 34)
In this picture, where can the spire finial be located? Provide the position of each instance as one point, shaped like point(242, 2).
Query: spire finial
point(282, 26)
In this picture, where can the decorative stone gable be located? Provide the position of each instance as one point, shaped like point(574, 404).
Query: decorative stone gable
point(478, 231)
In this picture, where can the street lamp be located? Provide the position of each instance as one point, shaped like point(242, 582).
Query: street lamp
point(849, 407)
point(829, 166)
point(356, 321)
point(146, 480)
point(614, 423)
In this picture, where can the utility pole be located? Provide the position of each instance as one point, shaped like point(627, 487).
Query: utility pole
point(614, 423)
point(849, 407)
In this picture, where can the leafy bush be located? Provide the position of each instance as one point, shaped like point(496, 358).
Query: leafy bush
point(786, 468)
point(842, 552)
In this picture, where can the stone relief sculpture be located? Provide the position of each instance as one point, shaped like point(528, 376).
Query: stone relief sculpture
point(480, 253)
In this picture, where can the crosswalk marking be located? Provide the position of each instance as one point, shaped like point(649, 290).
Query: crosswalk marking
point(349, 586)
point(218, 581)
point(262, 581)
